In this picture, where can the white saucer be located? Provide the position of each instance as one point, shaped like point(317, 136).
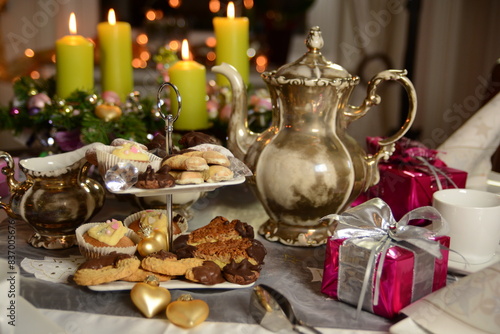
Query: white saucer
point(465, 269)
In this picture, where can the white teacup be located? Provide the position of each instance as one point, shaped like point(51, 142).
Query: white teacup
point(474, 220)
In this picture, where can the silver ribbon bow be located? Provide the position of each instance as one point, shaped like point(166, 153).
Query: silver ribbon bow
point(374, 220)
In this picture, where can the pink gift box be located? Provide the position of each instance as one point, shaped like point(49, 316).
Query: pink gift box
point(406, 182)
point(4, 187)
point(408, 274)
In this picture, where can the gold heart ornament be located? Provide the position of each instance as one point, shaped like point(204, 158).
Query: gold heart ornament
point(108, 112)
point(153, 242)
point(187, 312)
point(149, 297)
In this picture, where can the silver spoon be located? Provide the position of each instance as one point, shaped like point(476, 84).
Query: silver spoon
point(274, 312)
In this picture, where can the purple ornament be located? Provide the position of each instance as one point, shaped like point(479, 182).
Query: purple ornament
point(15, 111)
point(33, 111)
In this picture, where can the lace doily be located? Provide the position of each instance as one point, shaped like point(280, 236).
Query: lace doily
point(53, 269)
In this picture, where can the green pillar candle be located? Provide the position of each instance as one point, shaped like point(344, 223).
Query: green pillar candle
point(115, 46)
point(190, 79)
point(231, 34)
point(74, 62)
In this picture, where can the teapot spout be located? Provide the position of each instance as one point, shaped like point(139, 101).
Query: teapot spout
point(240, 138)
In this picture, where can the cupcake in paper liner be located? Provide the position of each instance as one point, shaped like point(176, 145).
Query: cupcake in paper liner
point(109, 156)
point(157, 219)
point(98, 239)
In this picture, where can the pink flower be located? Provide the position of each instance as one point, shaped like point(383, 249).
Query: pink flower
point(38, 101)
point(111, 97)
point(225, 113)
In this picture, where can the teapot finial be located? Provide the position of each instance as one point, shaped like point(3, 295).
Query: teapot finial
point(314, 40)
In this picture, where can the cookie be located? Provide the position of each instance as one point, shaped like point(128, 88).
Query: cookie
point(183, 162)
point(241, 273)
point(108, 268)
point(166, 263)
point(221, 229)
point(140, 275)
point(187, 177)
point(223, 252)
point(193, 138)
point(216, 173)
point(209, 273)
point(150, 179)
point(211, 157)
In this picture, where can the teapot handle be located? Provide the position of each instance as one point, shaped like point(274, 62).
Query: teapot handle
point(386, 144)
point(372, 99)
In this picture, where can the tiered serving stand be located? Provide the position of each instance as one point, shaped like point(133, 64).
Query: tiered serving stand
point(169, 119)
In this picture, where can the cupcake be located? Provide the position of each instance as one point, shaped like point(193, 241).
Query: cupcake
point(130, 151)
point(98, 239)
point(157, 220)
point(109, 156)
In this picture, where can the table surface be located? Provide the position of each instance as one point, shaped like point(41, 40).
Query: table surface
point(291, 270)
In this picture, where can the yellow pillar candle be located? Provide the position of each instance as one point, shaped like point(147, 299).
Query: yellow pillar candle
point(115, 45)
point(74, 62)
point(190, 79)
point(231, 34)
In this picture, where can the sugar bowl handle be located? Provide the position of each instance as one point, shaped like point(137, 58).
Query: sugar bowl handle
point(9, 173)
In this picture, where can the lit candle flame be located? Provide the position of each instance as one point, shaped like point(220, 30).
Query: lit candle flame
point(185, 50)
point(72, 24)
point(230, 10)
point(111, 17)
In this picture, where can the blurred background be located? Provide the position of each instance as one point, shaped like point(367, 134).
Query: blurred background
point(449, 47)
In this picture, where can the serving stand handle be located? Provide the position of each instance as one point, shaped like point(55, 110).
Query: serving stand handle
point(169, 119)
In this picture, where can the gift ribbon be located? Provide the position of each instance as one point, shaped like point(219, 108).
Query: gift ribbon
point(434, 170)
point(374, 220)
point(413, 153)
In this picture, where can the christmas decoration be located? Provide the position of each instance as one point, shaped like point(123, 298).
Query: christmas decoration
point(36, 107)
point(149, 297)
point(187, 312)
point(153, 241)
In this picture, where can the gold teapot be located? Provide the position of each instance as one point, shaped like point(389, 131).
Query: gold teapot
point(56, 197)
point(305, 165)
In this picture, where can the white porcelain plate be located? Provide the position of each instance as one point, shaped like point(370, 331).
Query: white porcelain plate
point(204, 187)
point(171, 285)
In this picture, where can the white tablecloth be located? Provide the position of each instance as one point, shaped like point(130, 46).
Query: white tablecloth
point(45, 321)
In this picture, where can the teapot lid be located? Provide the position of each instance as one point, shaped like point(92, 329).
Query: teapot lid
point(312, 69)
